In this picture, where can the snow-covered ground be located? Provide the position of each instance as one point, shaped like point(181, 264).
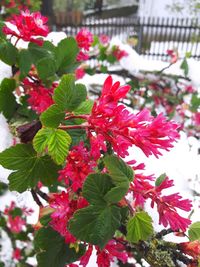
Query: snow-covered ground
point(182, 163)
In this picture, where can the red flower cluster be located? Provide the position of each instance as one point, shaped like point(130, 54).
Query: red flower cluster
point(111, 251)
point(15, 222)
point(40, 98)
point(191, 248)
point(84, 39)
point(118, 53)
point(17, 254)
point(29, 26)
point(79, 73)
point(65, 206)
point(79, 165)
point(166, 205)
point(173, 55)
point(114, 123)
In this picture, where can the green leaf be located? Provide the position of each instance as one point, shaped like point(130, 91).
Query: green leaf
point(195, 103)
point(139, 227)
point(3, 188)
point(29, 167)
point(55, 140)
point(85, 107)
point(8, 52)
point(53, 116)
point(66, 53)
point(119, 171)
point(69, 96)
point(52, 251)
point(160, 179)
point(95, 224)
point(194, 231)
point(117, 193)
point(96, 186)
point(25, 62)
point(184, 66)
point(46, 67)
point(8, 104)
point(38, 52)
point(77, 135)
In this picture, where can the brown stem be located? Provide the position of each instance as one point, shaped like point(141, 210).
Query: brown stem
point(43, 195)
point(76, 117)
point(129, 206)
point(36, 198)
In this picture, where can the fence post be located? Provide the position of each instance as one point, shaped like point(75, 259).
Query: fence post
point(140, 37)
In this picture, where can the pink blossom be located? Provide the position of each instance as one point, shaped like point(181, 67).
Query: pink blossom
point(79, 73)
point(82, 56)
point(173, 55)
point(197, 118)
point(29, 25)
point(104, 39)
point(84, 38)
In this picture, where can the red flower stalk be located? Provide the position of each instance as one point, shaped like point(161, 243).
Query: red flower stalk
point(29, 26)
point(166, 205)
point(114, 123)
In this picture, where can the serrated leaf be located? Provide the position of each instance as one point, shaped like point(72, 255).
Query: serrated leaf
point(30, 169)
point(95, 224)
point(139, 227)
point(25, 62)
point(96, 186)
point(67, 95)
point(46, 67)
point(53, 116)
point(194, 231)
point(117, 193)
point(119, 171)
point(8, 52)
point(53, 251)
point(8, 104)
point(37, 52)
point(160, 179)
point(85, 107)
point(66, 53)
point(55, 140)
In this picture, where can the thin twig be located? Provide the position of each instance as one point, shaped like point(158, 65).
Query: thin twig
point(36, 198)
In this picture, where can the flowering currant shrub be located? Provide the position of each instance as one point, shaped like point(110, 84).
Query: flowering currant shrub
point(73, 154)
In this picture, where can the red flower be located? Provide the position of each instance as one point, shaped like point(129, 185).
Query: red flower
point(116, 125)
point(166, 205)
point(79, 165)
point(173, 55)
point(29, 26)
point(17, 254)
point(64, 206)
point(191, 248)
point(197, 118)
point(118, 53)
point(79, 73)
point(40, 98)
point(84, 38)
point(104, 39)
point(82, 56)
